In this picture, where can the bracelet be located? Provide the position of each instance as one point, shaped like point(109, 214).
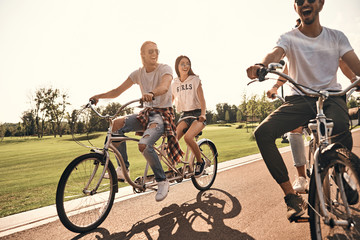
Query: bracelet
point(260, 64)
point(276, 86)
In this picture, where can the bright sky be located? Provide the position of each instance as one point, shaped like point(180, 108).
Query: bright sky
point(88, 47)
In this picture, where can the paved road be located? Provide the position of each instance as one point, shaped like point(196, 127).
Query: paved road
point(244, 203)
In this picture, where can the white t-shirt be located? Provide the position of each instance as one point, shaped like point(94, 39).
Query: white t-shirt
point(314, 62)
point(149, 81)
point(185, 93)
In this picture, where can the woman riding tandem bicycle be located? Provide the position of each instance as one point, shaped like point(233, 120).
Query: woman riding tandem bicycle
point(189, 99)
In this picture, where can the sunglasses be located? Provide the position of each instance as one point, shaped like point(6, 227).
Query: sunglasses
point(301, 2)
point(185, 64)
point(151, 51)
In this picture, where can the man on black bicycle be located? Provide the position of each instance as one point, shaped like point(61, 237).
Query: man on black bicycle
point(155, 120)
point(313, 54)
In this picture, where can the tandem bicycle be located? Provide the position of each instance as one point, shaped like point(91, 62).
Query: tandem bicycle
point(84, 196)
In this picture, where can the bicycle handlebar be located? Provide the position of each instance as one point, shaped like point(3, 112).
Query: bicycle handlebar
point(272, 68)
point(90, 105)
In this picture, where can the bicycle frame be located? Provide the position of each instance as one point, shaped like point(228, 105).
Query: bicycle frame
point(140, 184)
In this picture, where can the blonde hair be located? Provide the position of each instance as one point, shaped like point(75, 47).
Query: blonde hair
point(144, 44)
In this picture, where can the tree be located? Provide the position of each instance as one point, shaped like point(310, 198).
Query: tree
point(8, 132)
point(239, 116)
point(232, 113)
point(352, 102)
point(210, 115)
point(251, 108)
point(264, 107)
point(80, 127)
point(19, 130)
point(28, 122)
point(39, 115)
point(221, 109)
point(111, 109)
point(227, 116)
point(72, 119)
point(55, 106)
point(242, 108)
point(2, 132)
point(50, 108)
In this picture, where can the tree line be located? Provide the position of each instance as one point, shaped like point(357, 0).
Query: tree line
point(49, 115)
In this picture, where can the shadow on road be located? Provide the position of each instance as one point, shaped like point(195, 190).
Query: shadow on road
point(202, 219)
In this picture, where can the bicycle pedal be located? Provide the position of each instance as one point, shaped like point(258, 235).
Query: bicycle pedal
point(300, 219)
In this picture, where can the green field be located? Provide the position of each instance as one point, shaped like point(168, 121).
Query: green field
point(31, 167)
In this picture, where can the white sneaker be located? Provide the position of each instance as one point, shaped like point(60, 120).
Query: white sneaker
point(162, 191)
point(300, 185)
point(119, 173)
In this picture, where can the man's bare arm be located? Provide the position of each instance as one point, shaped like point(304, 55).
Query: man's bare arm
point(275, 56)
point(115, 92)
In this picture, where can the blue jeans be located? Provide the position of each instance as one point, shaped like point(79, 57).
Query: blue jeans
point(150, 136)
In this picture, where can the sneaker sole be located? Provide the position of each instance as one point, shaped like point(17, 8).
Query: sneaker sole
point(297, 215)
point(303, 192)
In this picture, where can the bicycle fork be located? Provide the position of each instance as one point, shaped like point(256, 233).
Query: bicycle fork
point(105, 152)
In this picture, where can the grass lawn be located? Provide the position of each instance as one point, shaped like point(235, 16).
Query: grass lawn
point(31, 167)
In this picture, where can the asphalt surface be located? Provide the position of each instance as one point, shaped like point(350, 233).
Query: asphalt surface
point(244, 203)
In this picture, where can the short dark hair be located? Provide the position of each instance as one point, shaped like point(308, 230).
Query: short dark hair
point(177, 61)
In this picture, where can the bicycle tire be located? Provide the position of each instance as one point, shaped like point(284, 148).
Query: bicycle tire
point(209, 153)
point(335, 163)
point(78, 211)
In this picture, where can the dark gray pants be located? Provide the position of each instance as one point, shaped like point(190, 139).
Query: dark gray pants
point(295, 112)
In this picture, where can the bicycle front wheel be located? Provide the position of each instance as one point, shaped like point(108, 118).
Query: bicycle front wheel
point(209, 154)
point(79, 207)
point(341, 190)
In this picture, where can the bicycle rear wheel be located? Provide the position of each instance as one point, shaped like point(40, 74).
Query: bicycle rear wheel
point(209, 154)
point(340, 175)
point(80, 209)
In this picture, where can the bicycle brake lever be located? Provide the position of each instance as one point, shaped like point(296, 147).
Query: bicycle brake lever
point(87, 105)
point(261, 72)
point(256, 80)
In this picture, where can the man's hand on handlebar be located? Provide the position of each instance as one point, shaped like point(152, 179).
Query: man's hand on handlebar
point(148, 97)
point(252, 71)
point(272, 93)
point(94, 99)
